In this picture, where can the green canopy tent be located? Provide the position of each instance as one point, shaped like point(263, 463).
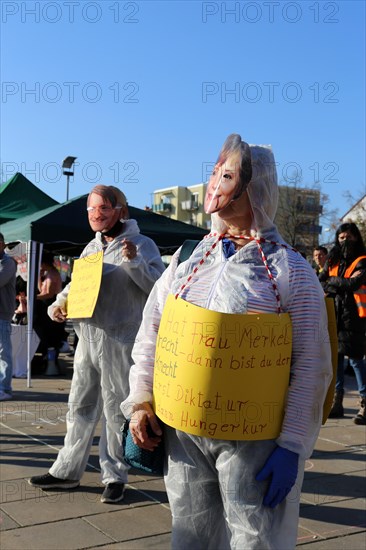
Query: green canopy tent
point(64, 228)
point(20, 197)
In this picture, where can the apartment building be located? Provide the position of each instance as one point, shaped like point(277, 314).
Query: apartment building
point(183, 203)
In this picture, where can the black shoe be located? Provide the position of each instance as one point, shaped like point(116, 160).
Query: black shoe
point(336, 412)
point(114, 492)
point(49, 482)
point(360, 418)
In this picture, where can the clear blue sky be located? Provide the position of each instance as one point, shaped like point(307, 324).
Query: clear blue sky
point(144, 93)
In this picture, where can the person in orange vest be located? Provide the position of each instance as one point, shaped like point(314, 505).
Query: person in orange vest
point(344, 278)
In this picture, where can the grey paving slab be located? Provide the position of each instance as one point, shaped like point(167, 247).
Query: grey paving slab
point(344, 432)
point(137, 476)
point(327, 445)
point(14, 490)
point(131, 524)
point(355, 541)
point(323, 489)
point(14, 463)
point(334, 518)
point(338, 462)
point(155, 488)
point(6, 523)
point(65, 535)
point(159, 542)
point(13, 440)
point(29, 420)
point(49, 506)
point(304, 536)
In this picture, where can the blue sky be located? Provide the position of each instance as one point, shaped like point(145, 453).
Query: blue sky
point(144, 93)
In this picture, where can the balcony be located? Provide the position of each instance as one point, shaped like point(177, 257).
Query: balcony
point(309, 229)
point(309, 208)
point(162, 207)
point(189, 205)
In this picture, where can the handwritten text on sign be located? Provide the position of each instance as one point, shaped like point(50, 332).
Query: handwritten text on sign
point(85, 285)
point(221, 375)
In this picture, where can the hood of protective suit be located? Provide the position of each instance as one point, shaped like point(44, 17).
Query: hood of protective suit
point(263, 189)
point(262, 192)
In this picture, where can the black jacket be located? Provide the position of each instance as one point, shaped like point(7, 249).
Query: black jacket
point(351, 328)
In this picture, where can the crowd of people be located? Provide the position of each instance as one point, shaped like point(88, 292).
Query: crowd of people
point(343, 278)
point(223, 493)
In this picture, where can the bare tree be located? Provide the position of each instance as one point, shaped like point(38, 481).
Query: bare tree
point(298, 213)
point(357, 213)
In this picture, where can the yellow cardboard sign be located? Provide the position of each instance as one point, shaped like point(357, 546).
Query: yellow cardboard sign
point(220, 375)
point(85, 285)
point(333, 338)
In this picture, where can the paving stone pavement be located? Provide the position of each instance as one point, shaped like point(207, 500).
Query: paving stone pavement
point(32, 426)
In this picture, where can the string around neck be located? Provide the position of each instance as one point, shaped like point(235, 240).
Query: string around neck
point(258, 241)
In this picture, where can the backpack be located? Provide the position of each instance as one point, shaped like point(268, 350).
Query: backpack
point(187, 249)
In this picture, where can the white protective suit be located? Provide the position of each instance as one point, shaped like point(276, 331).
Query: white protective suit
point(215, 500)
point(103, 355)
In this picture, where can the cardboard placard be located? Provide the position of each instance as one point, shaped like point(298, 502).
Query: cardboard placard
point(333, 339)
point(221, 375)
point(85, 285)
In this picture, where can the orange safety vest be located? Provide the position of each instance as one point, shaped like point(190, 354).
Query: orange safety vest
point(360, 294)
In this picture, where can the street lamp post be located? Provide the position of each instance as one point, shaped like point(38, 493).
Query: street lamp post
point(67, 165)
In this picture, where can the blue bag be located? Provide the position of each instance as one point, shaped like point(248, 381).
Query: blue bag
point(148, 461)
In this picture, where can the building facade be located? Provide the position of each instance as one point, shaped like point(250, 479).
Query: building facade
point(357, 215)
point(183, 203)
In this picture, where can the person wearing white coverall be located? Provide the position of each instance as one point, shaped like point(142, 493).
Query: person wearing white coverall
point(239, 494)
point(131, 265)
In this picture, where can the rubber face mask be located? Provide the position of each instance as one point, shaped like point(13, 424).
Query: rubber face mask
point(224, 185)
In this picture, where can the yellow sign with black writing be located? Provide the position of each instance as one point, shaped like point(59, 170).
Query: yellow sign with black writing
point(85, 285)
point(333, 339)
point(222, 375)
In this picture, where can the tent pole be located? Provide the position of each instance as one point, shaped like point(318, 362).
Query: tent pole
point(34, 251)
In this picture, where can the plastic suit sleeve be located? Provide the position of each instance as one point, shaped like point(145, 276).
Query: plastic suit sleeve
point(281, 468)
point(146, 268)
point(311, 368)
point(142, 370)
point(60, 301)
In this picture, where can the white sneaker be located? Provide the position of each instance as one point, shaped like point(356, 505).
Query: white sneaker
point(5, 396)
point(65, 348)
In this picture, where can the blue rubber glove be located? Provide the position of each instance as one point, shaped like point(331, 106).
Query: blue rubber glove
point(281, 466)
